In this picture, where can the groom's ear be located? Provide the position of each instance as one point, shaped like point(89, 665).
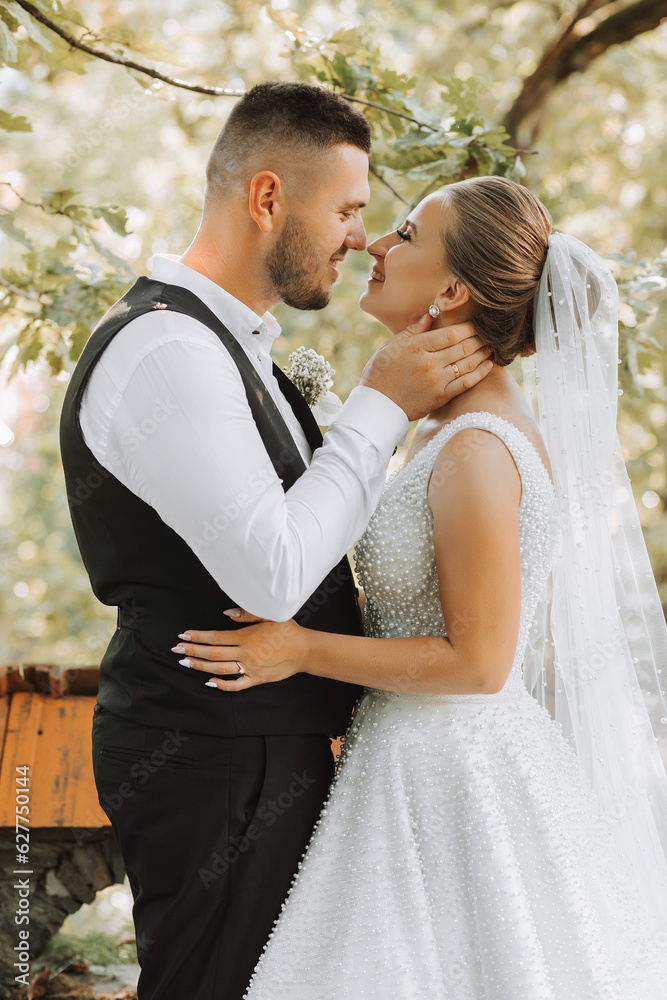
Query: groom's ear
point(265, 201)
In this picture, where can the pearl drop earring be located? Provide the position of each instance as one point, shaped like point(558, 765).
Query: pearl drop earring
point(434, 311)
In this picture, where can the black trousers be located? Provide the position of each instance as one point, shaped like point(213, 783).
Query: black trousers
point(211, 830)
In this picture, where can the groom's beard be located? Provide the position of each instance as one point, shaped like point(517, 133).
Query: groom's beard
point(292, 266)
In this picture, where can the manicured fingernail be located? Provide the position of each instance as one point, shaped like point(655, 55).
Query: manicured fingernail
point(178, 649)
point(233, 613)
point(210, 684)
point(184, 635)
point(185, 662)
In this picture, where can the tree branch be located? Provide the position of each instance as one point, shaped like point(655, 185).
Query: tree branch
point(570, 54)
point(389, 111)
point(376, 173)
point(18, 291)
point(77, 43)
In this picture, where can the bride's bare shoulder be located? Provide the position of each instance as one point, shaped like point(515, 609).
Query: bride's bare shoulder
point(474, 463)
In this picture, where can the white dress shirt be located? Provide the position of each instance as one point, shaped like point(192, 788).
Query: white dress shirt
point(165, 411)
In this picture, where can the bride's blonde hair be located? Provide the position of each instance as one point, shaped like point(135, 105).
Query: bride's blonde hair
point(496, 242)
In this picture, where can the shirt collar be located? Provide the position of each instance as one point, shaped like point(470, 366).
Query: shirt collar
point(240, 318)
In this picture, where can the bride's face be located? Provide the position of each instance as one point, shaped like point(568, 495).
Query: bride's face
point(408, 274)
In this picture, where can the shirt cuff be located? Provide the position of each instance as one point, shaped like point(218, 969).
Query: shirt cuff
point(376, 416)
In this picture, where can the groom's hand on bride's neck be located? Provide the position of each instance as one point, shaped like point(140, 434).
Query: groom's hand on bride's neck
point(422, 369)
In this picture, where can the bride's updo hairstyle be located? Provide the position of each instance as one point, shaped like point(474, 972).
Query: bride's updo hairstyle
point(496, 242)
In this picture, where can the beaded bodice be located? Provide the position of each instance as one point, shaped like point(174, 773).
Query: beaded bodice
point(395, 557)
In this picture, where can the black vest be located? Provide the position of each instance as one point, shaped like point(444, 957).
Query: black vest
point(139, 564)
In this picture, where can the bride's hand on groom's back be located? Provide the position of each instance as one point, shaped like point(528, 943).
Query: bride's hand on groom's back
point(422, 369)
point(236, 659)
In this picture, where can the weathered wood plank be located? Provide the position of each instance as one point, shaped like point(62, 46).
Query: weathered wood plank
point(53, 737)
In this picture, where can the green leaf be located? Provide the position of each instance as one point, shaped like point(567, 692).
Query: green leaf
point(114, 216)
point(517, 170)
point(415, 137)
point(14, 123)
point(117, 262)
point(345, 73)
point(653, 282)
point(51, 257)
point(29, 341)
point(31, 26)
point(628, 259)
point(77, 340)
point(78, 213)
point(434, 171)
point(422, 114)
point(56, 200)
point(9, 19)
point(641, 309)
point(64, 57)
point(11, 230)
point(8, 47)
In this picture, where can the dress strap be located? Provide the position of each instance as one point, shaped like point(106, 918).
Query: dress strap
point(523, 451)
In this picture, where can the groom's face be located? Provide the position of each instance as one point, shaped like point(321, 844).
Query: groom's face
point(322, 224)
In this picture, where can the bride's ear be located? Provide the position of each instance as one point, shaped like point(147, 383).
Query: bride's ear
point(453, 296)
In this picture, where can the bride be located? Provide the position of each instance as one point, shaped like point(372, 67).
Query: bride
point(497, 825)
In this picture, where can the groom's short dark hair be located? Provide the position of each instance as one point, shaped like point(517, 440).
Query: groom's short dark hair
point(300, 119)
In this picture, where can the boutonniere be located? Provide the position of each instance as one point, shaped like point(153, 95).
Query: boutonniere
point(311, 374)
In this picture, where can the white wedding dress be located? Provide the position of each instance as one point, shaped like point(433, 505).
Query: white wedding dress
point(459, 855)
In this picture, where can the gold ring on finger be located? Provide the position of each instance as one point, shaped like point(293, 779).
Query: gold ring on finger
point(455, 369)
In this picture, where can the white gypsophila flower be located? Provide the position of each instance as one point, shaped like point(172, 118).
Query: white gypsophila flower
point(311, 374)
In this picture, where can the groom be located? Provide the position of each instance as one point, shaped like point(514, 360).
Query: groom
point(198, 481)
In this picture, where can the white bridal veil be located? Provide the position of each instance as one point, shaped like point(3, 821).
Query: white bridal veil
point(597, 657)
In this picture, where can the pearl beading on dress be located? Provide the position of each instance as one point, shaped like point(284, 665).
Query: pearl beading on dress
point(395, 558)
